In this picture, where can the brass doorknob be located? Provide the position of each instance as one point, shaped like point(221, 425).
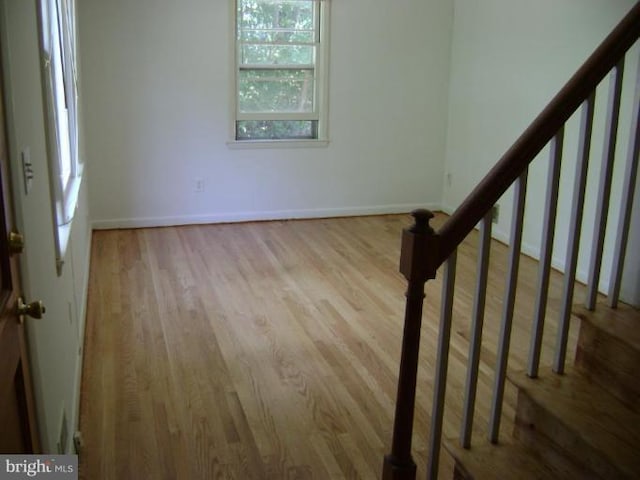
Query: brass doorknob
point(34, 309)
point(16, 243)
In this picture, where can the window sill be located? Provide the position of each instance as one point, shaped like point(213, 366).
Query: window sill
point(63, 231)
point(254, 144)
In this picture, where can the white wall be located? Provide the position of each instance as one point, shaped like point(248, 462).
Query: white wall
point(415, 98)
point(55, 341)
point(509, 58)
point(157, 84)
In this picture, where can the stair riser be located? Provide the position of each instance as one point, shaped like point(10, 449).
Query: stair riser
point(557, 444)
point(609, 362)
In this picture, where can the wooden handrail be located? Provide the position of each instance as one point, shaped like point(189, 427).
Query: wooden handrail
point(538, 134)
point(424, 250)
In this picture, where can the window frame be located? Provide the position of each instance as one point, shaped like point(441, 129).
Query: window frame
point(58, 54)
point(321, 79)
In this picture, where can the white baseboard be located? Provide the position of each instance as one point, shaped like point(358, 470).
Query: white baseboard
point(235, 217)
point(448, 209)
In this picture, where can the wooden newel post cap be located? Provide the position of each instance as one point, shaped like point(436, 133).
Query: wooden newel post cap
point(422, 217)
point(419, 248)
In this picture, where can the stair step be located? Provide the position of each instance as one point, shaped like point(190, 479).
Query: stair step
point(571, 417)
point(487, 461)
point(608, 350)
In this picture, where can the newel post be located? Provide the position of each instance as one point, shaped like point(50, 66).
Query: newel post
point(417, 266)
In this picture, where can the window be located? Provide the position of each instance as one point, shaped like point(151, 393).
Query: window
point(281, 49)
point(58, 53)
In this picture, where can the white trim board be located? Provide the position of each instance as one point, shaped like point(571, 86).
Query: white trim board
point(236, 217)
point(82, 318)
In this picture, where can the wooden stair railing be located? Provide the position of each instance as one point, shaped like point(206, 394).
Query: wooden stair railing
point(424, 250)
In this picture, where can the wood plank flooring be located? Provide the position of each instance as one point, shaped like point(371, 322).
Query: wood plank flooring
point(271, 350)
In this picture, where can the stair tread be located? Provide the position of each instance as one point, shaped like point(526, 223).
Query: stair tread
point(608, 350)
point(621, 322)
point(600, 419)
point(504, 460)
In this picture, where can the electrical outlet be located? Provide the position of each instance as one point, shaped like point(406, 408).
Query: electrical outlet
point(198, 185)
point(63, 437)
point(495, 213)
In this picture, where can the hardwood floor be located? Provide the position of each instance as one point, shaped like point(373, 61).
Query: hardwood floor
point(271, 350)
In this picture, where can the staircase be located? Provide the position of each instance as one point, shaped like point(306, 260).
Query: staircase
point(576, 421)
point(582, 424)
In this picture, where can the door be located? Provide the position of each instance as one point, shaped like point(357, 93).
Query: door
point(18, 428)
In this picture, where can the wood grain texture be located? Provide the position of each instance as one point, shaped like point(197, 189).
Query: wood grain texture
point(271, 350)
point(608, 350)
point(505, 461)
point(582, 420)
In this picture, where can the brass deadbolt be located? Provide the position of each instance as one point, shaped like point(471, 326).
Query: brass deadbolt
point(16, 243)
point(34, 309)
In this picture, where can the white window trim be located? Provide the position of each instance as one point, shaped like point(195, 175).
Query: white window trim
point(257, 144)
point(64, 197)
point(322, 101)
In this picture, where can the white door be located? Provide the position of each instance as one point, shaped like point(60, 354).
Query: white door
point(55, 341)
